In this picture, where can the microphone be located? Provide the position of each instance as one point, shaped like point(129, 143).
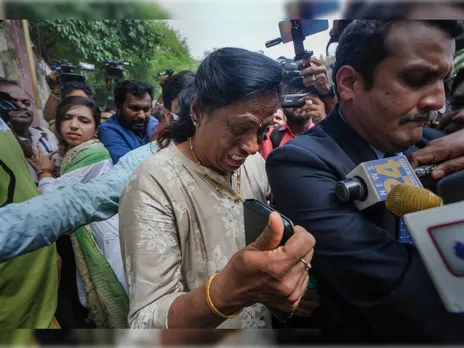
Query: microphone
point(370, 182)
point(438, 233)
point(404, 199)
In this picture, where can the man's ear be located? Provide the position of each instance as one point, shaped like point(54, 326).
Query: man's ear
point(347, 81)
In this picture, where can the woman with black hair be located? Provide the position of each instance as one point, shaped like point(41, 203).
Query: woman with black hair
point(181, 215)
point(101, 281)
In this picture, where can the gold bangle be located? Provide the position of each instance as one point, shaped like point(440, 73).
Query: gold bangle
point(210, 302)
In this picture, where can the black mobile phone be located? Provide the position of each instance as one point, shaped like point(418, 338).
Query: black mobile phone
point(256, 218)
point(292, 101)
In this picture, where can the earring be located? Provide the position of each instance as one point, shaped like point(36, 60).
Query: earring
point(195, 123)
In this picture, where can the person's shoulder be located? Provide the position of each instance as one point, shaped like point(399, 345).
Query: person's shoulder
point(153, 120)
point(255, 162)
point(305, 144)
point(110, 123)
point(157, 161)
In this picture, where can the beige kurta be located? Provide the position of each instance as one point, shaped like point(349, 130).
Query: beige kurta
point(176, 231)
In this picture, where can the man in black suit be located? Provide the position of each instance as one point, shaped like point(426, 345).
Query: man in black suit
point(389, 78)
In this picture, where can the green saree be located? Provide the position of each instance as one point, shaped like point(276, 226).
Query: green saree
point(106, 298)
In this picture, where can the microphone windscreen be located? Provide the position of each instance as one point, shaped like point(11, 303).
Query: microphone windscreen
point(404, 199)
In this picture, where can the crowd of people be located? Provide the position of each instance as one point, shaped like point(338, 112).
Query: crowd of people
point(136, 220)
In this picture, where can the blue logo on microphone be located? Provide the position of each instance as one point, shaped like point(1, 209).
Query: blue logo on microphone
point(459, 250)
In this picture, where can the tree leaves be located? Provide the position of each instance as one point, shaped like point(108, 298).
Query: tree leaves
point(151, 47)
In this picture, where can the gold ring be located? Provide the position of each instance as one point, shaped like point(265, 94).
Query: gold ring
point(307, 265)
point(314, 77)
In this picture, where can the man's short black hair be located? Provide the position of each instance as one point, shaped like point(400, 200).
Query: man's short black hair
point(70, 86)
point(136, 88)
point(363, 45)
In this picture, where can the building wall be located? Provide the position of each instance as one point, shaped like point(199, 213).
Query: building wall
point(14, 65)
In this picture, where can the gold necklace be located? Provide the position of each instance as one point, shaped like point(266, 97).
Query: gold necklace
point(237, 196)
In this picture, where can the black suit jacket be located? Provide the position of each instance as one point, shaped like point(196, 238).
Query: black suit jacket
point(376, 288)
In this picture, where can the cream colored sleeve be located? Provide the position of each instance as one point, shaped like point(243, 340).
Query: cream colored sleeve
point(150, 249)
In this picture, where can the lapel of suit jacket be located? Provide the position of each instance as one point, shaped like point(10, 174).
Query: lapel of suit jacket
point(360, 151)
point(346, 137)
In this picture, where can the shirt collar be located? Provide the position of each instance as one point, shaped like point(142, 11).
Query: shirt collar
point(36, 135)
point(378, 153)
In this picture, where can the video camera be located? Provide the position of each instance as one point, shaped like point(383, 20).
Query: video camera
point(167, 72)
point(114, 71)
point(66, 70)
point(296, 30)
point(6, 105)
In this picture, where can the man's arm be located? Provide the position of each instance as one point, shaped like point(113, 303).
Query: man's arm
point(52, 104)
point(381, 279)
point(28, 226)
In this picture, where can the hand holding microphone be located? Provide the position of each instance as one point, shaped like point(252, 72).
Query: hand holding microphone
point(448, 151)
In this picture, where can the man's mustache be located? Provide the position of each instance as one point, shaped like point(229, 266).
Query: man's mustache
point(423, 117)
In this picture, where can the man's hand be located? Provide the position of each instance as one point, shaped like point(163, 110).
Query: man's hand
point(452, 122)
point(313, 107)
point(449, 151)
point(317, 110)
point(53, 80)
point(316, 75)
point(40, 161)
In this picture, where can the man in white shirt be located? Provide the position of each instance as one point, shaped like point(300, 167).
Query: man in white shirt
point(30, 138)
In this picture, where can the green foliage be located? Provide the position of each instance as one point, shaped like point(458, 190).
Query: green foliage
point(151, 47)
point(39, 10)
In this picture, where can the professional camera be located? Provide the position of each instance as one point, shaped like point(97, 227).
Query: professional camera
point(296, 31)
point(167, 72)
point(114, 71)
point(291, 69)
point(66, 70)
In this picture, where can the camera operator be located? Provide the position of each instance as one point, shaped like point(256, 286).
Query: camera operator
point(317, 76)
point(299, 120)
point(69, 89)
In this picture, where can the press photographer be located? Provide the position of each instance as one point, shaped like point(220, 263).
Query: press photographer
point(302, 110)
point(64, 83)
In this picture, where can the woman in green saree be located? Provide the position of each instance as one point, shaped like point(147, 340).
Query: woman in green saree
point(101, 281)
